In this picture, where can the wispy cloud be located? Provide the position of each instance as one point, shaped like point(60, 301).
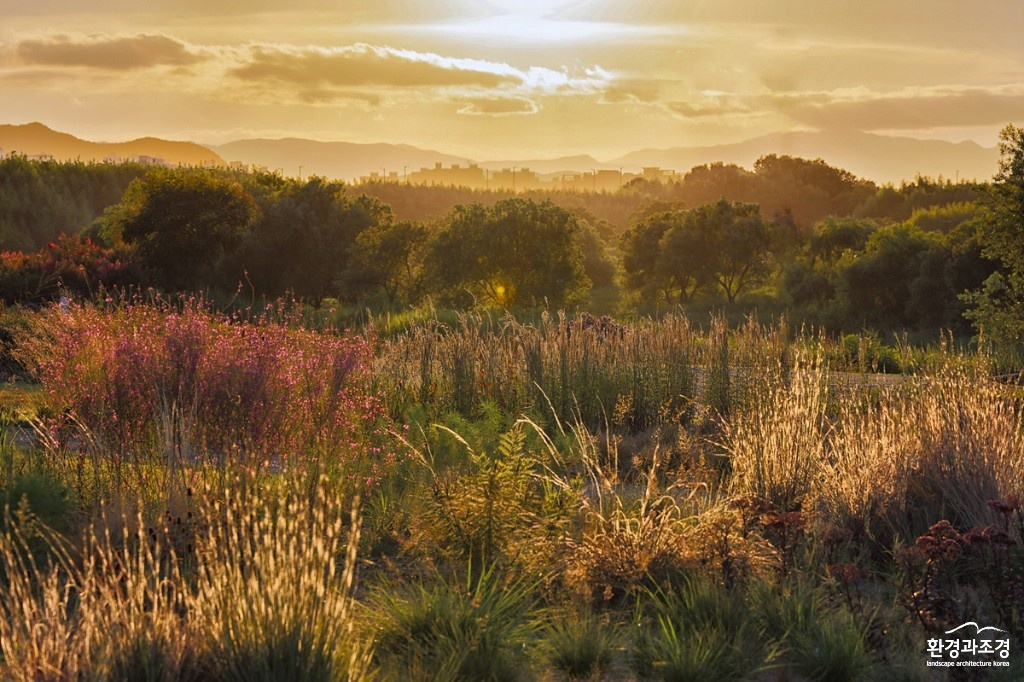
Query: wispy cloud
point(710, 104)
point(363, 64)
point(499, 106)
point(113, 53)
point(911, 108)
point(306, 74)
point(372, 65)
point(481, 86)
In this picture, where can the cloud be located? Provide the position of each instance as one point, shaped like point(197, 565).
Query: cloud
point(361, 65)
point(381, 74)
point(908, 110)
point(709, 104)
point(499, 106)
point(111, 53)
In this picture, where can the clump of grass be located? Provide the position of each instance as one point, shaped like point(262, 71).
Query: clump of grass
point(111, 615)
point(864, 481)
point(274, 590)
point(578, 366)
point(270, 597)
point(444, 630)
point(777, 444)
point(579, 644)
point(701, 631)
point(808, 636)
point(46, 495)
point(632, 534)
point(972, 442)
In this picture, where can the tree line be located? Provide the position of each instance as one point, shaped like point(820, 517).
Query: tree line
point(790, 234)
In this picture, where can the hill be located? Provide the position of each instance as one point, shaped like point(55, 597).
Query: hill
point(337, 160)
point(874, 157)
point(879, 158)
point(35, 139)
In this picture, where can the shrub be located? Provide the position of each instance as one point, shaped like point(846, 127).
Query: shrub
point(157, 391)
point(46, 497)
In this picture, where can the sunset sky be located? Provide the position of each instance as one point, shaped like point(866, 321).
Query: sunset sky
point(491, 79)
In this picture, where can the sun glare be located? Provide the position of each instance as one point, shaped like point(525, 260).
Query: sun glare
point(531, 21)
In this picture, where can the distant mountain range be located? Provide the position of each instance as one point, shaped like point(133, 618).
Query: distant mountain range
point(874, 157)
point(340, 160)
point(36, 140)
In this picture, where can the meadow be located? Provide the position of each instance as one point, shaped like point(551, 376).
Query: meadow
point(194, 495)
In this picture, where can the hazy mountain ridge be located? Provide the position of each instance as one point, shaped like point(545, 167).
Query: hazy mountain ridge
point(35, 139)
point(873, 157)
point(341, 160)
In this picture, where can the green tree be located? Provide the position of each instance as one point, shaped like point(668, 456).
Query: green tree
point(389, 255)
point(682, 259)
point(809, 279)
point(184, 222)
point(894, 283)
point(997, 308)
point(737, 243)
point(305, 241)
point(708, 183)
point(516, 253)
point(662, 258)
point(40, 200)
point(810, 189)
point(834, 237)
point(640, 247)
point(597, 264)
point(672, 255)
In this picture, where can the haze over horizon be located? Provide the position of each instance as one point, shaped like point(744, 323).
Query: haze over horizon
point(513, 78)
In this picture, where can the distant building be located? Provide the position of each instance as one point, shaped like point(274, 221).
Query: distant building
point(472, 176)
point(656, 174)
point(516, 179)
point(380, 177)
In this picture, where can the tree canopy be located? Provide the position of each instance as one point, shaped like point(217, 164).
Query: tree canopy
point(998, 306)
point(184, 222)
point(676, 253)
point(518, 252)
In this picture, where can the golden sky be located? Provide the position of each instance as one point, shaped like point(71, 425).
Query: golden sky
point(515, 78)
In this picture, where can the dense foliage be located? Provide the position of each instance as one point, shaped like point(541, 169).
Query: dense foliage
point(180, 385)
point(999, 305)
point(789, 235)
point(41, 200)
